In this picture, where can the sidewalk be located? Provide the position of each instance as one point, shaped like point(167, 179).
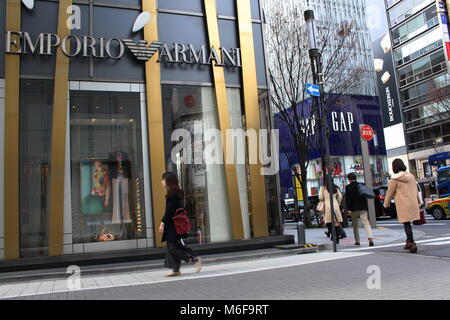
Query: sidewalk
point(381, 235)
point(316, 236)
point(141, 266)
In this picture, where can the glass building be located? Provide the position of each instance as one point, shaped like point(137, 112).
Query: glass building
point(357, 104)
point(90, 111)
point(420, 46)
point(345, 115)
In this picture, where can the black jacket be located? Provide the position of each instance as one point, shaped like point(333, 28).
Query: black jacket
point(172, 204)
point(354, 201)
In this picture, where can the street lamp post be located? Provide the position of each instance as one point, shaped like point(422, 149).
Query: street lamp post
point(316, 66)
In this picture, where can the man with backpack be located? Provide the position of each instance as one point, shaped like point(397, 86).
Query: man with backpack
point(356, 202)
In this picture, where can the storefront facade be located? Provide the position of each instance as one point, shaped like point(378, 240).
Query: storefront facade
point(345, 114)
point(90, 108)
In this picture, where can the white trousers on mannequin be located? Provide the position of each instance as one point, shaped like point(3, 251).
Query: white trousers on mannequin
point(121, 208)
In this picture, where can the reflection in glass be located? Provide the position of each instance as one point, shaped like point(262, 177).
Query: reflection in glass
point(36, 106)
point(193, 109)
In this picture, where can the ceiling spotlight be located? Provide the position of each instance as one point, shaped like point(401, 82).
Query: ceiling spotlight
point(141, 21)
point(29, 4)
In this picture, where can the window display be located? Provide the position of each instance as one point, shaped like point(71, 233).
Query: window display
point(193, 110)
point(96, 191)
point(343, 166)
point(107, 168)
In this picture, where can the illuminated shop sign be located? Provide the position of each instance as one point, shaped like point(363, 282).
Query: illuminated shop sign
point(18, 42)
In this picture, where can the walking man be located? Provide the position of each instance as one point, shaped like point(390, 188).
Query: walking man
point(357, 207)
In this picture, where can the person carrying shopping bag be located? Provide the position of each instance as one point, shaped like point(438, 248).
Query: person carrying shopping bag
point(176, 248)
point(324, 195)
point(402, 187)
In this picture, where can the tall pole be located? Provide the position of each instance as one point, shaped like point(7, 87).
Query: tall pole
point(368, 178)
point(316, 66)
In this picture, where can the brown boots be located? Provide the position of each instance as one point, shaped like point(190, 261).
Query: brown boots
point(411, 246)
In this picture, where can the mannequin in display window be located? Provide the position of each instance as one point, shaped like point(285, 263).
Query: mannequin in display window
point(120, 175)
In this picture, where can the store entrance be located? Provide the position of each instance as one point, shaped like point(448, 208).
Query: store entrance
point(36, 108)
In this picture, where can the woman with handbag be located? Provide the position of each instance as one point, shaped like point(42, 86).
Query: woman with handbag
point(324, 195)
point(402, 187)
point(176, 248)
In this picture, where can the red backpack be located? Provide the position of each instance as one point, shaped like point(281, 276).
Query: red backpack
point(181, 221)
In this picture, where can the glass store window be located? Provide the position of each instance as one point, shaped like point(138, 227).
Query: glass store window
point(36, 106)
point(193, 110)
point(343, 166)
point(106, 166)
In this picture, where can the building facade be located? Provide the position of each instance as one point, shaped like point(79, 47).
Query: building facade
point(89, 110)
point(351, 11)
point(357, 105)
point(419, 39)
point(345, 115)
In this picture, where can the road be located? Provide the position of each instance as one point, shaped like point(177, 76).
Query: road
point(385, 272)
point(435, 243)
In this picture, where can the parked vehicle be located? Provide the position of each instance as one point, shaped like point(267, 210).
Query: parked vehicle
point(380, 210)
point(296, 214)
point(443, 182)
point(439, 209)
point(292, 212)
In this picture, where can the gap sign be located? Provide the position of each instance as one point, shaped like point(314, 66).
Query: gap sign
point(312, 89)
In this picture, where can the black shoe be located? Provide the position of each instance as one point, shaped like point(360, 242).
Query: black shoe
point(357, 244)
point(327, 234)
point(371, 243)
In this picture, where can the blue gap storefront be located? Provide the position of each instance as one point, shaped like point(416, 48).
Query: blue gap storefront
point(345, 114)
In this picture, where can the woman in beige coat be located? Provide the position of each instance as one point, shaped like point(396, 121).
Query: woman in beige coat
point(324, 196)
point(403, 189)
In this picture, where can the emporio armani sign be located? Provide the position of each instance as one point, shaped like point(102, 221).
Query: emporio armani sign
point(18, 42)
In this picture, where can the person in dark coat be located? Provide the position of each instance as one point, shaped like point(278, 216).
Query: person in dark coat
point(176, 248)
point(358, 208)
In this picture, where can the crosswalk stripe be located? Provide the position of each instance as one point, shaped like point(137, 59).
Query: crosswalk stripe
point(443, 239)
point(439, 243)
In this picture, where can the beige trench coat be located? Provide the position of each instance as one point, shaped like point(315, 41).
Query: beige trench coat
point(324, 195)
point(403, 189)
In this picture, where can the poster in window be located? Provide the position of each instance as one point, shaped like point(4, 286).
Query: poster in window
point(95, 187)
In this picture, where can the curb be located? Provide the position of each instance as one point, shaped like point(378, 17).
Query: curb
point(296, 246)
point(99, 270)
point(418, 235)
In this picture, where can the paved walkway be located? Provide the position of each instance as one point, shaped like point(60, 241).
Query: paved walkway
point(49, 288)
point(381, 235)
